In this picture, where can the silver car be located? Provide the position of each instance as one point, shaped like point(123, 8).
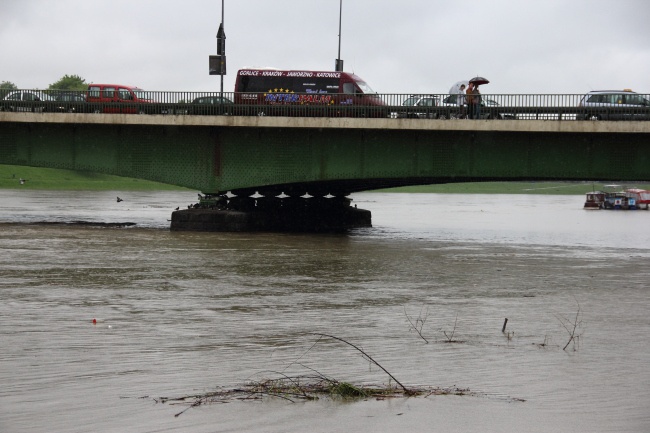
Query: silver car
point(421, 104)
point(614, 105)
point(27, 100)
point(455, 112)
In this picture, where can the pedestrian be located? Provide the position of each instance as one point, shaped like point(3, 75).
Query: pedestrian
point(477, 101)
point(473, 96)
point(460, 101)
point(469, 99)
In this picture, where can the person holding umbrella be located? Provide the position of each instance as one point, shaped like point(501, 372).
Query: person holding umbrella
point(474, 97)
point(477, 101)
point(473, 101)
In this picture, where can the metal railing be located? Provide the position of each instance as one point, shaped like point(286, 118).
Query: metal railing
point(397, 106)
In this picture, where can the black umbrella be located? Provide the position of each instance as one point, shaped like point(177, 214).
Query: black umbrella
point(479, 80)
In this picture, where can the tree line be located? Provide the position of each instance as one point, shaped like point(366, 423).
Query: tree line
point(67, 82)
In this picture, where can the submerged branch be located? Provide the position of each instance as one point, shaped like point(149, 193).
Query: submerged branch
point(571, 327)
point(406, 390)
point(419, 323)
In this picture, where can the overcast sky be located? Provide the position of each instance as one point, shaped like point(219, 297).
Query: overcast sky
point(397, 46)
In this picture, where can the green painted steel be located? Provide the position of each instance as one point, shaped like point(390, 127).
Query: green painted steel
point(167, 154)
point(216, 159)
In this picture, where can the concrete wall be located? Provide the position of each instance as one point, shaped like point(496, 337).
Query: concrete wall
point(627, 127)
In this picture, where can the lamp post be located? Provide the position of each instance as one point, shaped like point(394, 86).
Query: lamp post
point(218, 63)
point(338, 66)
point(221, 48)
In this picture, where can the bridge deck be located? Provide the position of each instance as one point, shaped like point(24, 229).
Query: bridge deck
point(618, 127)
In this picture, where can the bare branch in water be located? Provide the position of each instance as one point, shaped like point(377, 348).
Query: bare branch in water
point(572, 326)
point(406, 390)
point(450, 336)
point(419, 323)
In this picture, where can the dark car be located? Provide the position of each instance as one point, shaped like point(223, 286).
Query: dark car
point(71, 102)
point(211, 105)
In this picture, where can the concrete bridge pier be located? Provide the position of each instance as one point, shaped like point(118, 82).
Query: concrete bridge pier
point(271, 214)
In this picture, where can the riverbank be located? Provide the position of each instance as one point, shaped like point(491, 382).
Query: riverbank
point(37, 178)
point(544, 188)
point(56, 179)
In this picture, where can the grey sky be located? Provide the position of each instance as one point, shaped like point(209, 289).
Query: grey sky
point(400, 46)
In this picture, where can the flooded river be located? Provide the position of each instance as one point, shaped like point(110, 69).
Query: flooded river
point(186, 313)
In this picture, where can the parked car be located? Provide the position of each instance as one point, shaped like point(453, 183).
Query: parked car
point(421, 104)
point(211, 105)
point(71, 102)
point(628, 105)
point(28, 100)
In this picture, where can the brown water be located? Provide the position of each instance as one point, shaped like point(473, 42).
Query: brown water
point(184, 313)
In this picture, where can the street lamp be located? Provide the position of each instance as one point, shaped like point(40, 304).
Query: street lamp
point(221, 52)
point(218, 62)
point(338, 66)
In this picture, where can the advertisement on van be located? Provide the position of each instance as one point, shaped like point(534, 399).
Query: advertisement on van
point(320, 88)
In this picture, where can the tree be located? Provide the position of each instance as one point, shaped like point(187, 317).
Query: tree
point(69, 82)
point(6, 87)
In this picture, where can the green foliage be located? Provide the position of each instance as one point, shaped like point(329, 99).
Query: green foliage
point(346, 390)
point(6, 87)
point(69, 82)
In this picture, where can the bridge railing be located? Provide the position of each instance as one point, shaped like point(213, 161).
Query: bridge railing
point(282, 103)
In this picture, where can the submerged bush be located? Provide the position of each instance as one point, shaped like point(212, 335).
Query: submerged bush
point(346, 390)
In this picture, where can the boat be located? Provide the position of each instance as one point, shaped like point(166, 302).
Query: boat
point(595, 200)
point(616, 197)
point(641, 197)
point(618, 200)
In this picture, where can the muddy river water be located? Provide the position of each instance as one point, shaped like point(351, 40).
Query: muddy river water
point(187, 313)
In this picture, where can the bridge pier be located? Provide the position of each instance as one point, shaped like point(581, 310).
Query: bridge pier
point(271, 214)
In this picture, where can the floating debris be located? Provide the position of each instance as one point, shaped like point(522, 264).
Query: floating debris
point(307, 388)
point(314, 387)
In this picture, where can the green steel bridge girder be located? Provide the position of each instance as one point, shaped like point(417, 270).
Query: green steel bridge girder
point(217, 159)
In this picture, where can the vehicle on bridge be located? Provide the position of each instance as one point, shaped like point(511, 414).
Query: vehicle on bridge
point(418, 107)
point(71, 102)
point(319, 92)
point(211, 105)
point(488, 108)
point(118, 98)
point(430, 107)
point(28, 100)
point(614, 105)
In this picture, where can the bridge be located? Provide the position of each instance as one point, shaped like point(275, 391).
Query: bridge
point(267, 156)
